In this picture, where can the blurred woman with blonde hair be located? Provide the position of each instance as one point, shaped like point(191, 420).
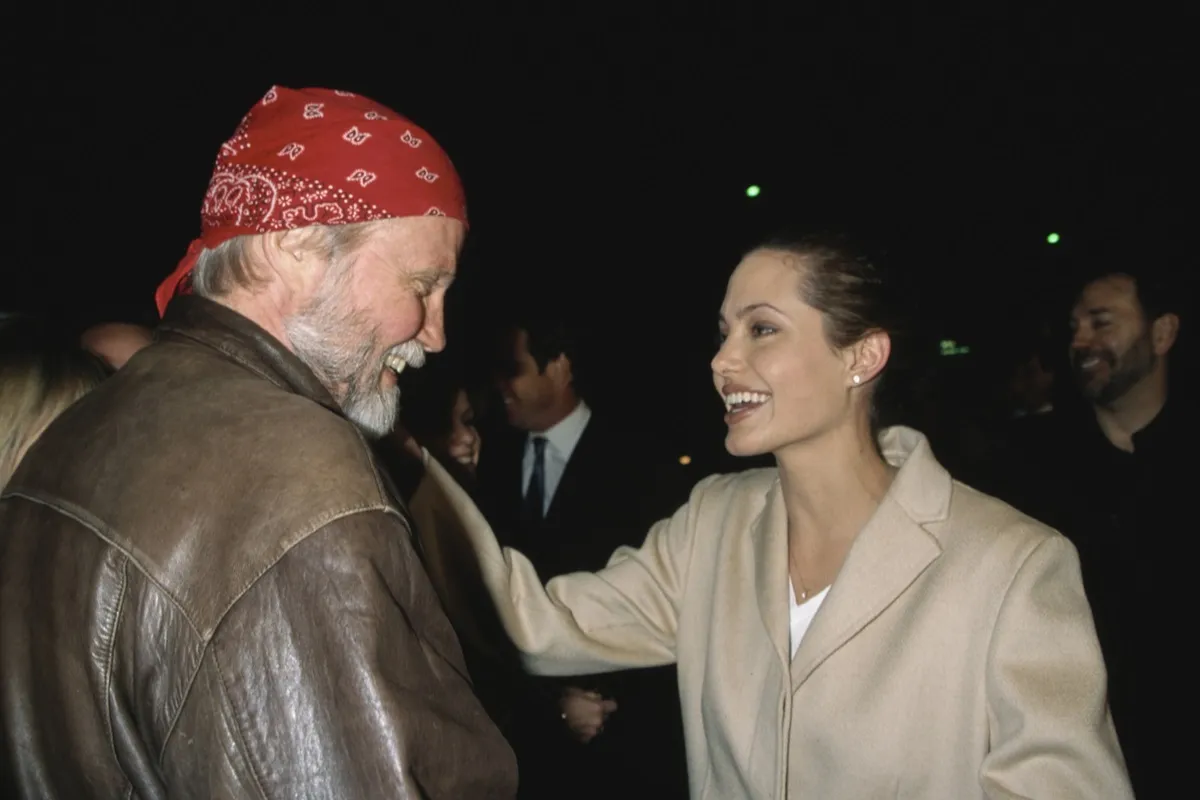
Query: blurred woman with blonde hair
point(41, 375)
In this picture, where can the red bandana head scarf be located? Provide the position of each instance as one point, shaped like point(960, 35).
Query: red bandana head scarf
point(315, 156)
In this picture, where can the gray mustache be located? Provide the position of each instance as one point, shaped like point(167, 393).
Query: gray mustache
point(412, 352)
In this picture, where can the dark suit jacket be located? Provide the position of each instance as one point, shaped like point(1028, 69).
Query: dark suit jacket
point(616, 485)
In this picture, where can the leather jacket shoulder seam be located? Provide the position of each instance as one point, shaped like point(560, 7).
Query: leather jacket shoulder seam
point(99, 528)
point(209, 651)
point(317, 525)
point(183, 701)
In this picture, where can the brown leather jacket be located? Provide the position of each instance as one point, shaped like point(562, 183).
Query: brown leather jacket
point(207, 590)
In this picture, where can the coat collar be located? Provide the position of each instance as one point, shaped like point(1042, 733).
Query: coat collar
point(242, 341)
point(890, 552)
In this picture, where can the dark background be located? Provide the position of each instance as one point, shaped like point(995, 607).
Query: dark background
point(606, 157)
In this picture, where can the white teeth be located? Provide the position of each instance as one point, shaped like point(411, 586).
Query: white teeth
point(395, 363)
point(745, 398)
point(1089, 363)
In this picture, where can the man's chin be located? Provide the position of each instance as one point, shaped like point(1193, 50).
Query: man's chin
point(375, 416)
point(1094, 391)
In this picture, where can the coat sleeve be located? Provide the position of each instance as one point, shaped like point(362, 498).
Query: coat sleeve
point(340, 676)
point(623, 616)
point(1051, 732)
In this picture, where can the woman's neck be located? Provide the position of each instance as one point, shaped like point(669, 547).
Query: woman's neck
point(831, 486)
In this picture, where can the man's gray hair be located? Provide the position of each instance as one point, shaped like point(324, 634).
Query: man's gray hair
point(230, 265)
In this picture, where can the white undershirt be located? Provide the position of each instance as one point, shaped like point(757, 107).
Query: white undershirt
point(802, 613)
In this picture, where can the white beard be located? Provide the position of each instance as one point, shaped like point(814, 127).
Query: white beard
point(342, 350)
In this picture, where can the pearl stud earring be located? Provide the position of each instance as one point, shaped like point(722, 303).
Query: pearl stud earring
point(857, 379)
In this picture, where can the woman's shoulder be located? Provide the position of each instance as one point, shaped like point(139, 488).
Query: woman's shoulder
point(991, 528)
point(731, 498)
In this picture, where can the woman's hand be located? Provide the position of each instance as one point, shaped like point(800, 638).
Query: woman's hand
point(585, 712)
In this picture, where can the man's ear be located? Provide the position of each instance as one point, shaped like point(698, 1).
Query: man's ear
point(294, 258)
point(559, 371)
point(1164, 332)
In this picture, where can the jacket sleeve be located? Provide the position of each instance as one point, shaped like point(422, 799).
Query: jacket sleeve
point(623, 616)
point(341, 677)
point(1051, 732)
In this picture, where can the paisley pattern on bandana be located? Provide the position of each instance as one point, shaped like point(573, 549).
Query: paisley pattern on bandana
point(316, 156)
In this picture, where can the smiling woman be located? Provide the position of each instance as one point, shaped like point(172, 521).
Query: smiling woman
point(851, 622)
point(808, 314)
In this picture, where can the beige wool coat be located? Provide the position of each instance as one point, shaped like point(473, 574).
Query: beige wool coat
point(954, 657)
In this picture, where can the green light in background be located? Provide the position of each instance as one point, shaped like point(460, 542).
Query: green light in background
point(1053, 238)
point(753, 191)
point(949, 347)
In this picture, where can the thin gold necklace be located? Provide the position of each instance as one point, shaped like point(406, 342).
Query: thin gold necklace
point(803, 589)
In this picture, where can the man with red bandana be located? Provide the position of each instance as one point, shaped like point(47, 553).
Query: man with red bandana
point(207, 587)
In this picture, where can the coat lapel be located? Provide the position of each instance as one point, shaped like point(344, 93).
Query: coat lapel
point(888, 555)
point(769, 541)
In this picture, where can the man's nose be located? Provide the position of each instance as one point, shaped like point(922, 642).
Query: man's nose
point(433, 335)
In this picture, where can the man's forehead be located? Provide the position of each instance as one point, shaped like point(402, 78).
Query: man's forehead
point(424, 253)
point(429, 231)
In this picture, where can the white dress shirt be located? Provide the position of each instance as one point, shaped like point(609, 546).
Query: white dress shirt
point(560, 443)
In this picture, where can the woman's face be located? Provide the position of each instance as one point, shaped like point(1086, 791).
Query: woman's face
point(781, 380)
point(464, 441)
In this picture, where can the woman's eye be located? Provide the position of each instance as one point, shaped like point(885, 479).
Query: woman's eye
point(759, 330)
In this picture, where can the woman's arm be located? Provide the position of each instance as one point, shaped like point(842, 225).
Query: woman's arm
point(1052, 734)
point(623, 616)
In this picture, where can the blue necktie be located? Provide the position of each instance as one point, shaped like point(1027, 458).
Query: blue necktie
point(532, 510)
